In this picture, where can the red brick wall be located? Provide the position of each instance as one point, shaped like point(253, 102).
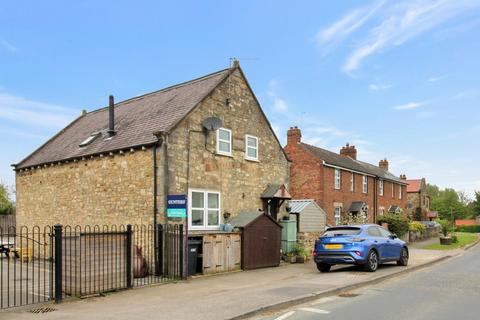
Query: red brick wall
point(387, 200)
point(310, 179)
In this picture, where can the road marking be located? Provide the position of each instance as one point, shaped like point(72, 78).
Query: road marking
point(315, 310)
point(285, 316)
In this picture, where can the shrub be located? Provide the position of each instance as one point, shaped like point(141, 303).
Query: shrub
point(298, 250)
point(397, 223)
point(446, 226)
point(471, 229)
point(357, 218)
point(454, 238)
point(416, 226)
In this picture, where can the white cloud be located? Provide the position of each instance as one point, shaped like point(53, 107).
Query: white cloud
point(23, 111)
point(437, 78)
point(401, 21)
point(278, 104)
point(409, 106)
point(378, 87)
point(347, 24)
point(8, 46)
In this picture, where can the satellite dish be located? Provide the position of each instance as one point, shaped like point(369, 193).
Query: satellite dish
point(212, 123)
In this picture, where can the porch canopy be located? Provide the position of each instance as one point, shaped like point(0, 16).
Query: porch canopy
point(273, 198)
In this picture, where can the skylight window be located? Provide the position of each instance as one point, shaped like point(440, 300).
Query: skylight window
point(89, 140)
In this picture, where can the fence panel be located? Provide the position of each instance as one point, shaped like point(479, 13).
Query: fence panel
point(26, 266)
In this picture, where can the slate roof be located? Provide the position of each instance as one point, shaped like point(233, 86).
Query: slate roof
point(414, 185)
point(297, 206)
point(243, 219)
point(335, 159)
point(136, 121)
point(356, 206)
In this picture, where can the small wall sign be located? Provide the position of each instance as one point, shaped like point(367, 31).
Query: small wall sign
point(177, 206)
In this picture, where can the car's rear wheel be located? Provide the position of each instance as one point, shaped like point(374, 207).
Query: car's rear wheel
point(323, 267)
point(403, 261)
point(371, 264)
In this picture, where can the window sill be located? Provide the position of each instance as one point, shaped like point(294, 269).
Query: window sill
point(252, 160)
point(228, 155)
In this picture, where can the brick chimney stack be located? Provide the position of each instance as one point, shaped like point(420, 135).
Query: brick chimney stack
point(383, 164)
point(294, 135)
point(403, 177)
point(349, 151)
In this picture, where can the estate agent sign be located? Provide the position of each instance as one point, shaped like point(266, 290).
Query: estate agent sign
point(177, 206)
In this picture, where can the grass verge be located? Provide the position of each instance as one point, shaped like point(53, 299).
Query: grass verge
point(463, 240)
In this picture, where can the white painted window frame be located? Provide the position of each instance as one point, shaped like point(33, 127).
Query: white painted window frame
point(337, 179)
point(224, 153)
point(248, 136)
point(400, 192)
point(337, 215)
point(205, 209)
point(352, 182)
point(364, 184)
point(380, 187)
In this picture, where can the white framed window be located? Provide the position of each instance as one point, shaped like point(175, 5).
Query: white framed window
point(393, 190)
point(338, 179)
point(203, 209)
point(251, 147)
point(352, 182)
point(224, 141)
point(338, 211)
point(380, 187)
point(365, 184)
point(399, 192)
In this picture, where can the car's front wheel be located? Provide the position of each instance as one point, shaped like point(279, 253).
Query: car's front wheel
point(323, 267)
point(371, 264)
point(403, 261)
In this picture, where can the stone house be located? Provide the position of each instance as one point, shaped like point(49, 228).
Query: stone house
point(418, 200)
point(340, 183)
point(207, 139)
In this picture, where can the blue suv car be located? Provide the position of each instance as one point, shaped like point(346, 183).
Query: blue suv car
point(367, 245)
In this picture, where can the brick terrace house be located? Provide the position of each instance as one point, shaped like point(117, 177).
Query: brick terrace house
point(340, 183)
point(418, 201)
point(207, 138)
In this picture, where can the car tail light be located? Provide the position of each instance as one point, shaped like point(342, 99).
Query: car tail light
point(314, 253)
point(357, 240)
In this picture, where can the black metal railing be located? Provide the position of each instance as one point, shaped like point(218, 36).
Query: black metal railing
point(26, 266)
point(76, 261)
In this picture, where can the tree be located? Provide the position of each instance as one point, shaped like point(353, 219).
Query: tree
point(6, 205)
point(475, 205)
point(448, 202)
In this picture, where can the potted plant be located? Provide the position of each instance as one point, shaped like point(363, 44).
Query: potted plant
point(299, 252)
point(445, 239)
point(291, 257)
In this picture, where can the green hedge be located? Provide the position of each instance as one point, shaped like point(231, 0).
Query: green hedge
point(472, 229)
point(397, 223)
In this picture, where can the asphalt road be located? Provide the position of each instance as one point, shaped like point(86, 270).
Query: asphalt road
point(450, 290)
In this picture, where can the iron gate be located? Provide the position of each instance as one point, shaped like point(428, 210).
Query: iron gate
point(54, 263)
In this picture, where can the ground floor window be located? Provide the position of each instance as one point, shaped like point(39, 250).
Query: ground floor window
point(204, 209)
point(338, 211)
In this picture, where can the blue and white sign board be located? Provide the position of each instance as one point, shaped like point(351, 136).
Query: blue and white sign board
point(177, 206)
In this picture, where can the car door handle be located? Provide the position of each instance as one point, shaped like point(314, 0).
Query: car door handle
point(375, 241)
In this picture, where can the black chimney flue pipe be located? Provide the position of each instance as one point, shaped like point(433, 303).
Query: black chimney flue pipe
point(111, 116)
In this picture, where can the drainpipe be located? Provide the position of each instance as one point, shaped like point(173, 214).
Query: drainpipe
point(155, 202)
point(375, 200)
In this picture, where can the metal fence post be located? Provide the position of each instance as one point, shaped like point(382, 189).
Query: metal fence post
point(181, 249)
point(58, 263)
point(159, 266)
point(129, 256)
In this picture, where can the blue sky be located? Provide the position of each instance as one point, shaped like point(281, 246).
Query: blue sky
point(398, 79)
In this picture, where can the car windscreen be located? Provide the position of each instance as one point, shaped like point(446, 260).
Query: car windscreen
point(343, 231)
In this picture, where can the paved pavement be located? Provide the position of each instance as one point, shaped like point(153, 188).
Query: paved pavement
point(219, 297)
point(450, 290)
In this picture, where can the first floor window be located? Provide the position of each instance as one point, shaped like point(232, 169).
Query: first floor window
point(251, 147)
point(204, 209)
point(380, 187)
point(338, 211)
point(393, 188)
point(224, 141)
point(365, 184)
point(399, 192)
point(352, 182)
point(337, 179)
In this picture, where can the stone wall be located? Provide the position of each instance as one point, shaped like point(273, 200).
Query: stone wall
point(104, 190)
point(240, 181)
point(307, 240)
